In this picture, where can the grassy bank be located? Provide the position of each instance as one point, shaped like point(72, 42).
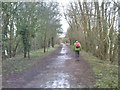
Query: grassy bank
point(106, 73)
point(19, 64)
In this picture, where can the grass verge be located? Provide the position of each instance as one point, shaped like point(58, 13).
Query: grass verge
point(106, 73)
point(19, 64)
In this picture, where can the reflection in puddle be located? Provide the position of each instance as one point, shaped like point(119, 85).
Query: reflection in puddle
point(63, 58)
point(63, 53)
point(59, 82)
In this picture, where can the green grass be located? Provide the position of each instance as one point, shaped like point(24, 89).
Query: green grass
point(106, 74)
point(19, 64)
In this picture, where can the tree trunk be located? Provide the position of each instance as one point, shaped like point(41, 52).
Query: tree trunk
point(28, 53)
point(49, 43)
point(10, 40)
point(119, 35)
point(25, 54)
point(15, 49)
point(44, 42)
point(52, 41)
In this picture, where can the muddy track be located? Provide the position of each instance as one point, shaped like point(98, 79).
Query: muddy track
point(57, 70)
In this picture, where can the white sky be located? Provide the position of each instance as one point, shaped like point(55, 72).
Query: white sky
point(63, 21)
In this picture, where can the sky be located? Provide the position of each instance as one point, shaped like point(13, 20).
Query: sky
point(63, 21)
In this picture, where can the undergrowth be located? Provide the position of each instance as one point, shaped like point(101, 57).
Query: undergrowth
point(106, 74)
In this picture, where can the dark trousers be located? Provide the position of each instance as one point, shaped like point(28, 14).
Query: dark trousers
point(77, 54)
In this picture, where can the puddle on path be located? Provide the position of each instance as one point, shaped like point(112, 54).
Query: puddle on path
point(62, 57)
point(63, 50)
point(63, 54)
point(61, 81)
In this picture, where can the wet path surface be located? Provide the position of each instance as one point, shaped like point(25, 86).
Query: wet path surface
point(58, 70)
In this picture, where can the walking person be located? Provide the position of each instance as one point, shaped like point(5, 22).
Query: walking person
point(77, 48)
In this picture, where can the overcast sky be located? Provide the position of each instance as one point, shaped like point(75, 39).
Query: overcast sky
point(63, 21)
